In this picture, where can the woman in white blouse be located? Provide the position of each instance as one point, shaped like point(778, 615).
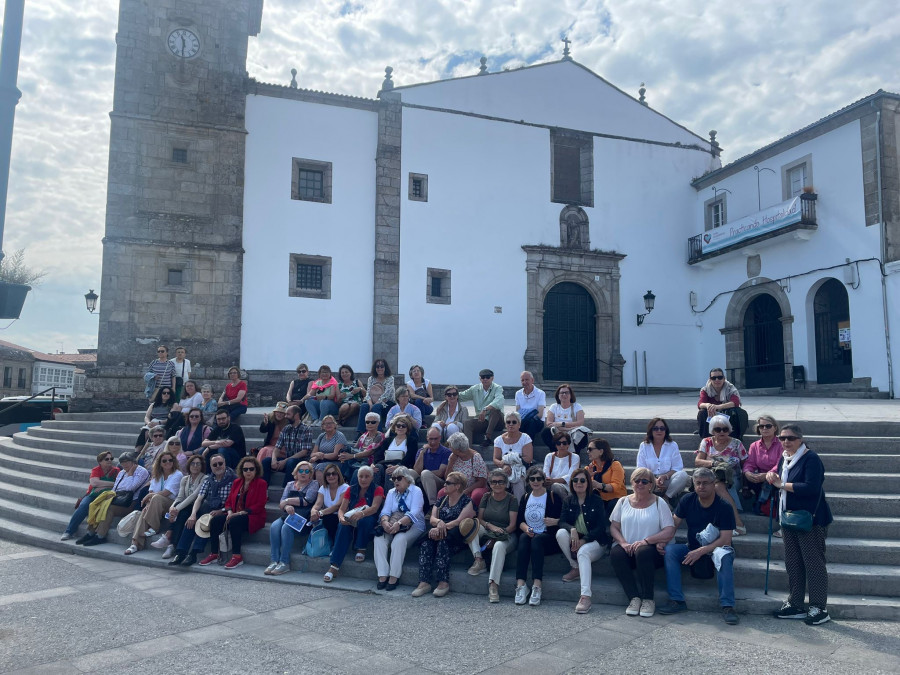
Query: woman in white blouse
point(515, 441)
point(660, 454)
point(181, 508)
point(165, 481)
point(639, 522)
point(564, 415)
point(450, 416)
point(559, 465)
point(401, 522)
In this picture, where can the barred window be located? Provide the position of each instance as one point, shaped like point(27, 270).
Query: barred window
point(180, 155)
point(309, 184)
point(311, 180)
point(309, 277)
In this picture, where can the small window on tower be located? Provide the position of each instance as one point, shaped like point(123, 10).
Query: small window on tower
point(175, 277)
point(418, 187)
point(437, 290)
point(180, 155)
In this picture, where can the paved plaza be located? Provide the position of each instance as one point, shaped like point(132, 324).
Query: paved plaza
point(66, 614)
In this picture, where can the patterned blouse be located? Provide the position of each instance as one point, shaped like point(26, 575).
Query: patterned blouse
point(362, 445)
point(734, 451)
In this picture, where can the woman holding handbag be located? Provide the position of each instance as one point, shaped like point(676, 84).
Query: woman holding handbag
point(497, 515)
point(245, 512)
point(805, 517)
point(380, 394)
point(724, 455)
point(356, 517)
point(322, 396)
point(401, 522)
point(298, 497)
point(328, 501)
point(398, 449)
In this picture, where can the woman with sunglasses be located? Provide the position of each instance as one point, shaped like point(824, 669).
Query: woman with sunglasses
point(537, 520)
point(379, 394)
point(156, 443)
point(298, 497)
point(156, 415)
point(101, 479)
point(420, 391)
point(762, 457)
point(328, 446)
point(328, 501)
point(444, 537)
point(362, 452)
point(497, 528)
point(800, 479)
point(165, 480)
point(565, 415)
point(271, 425)
point(180, 510)
point(297, 389)
point(607, 473)
point(582, 536)
point(400, 524)
point(322, 396)
point(515, 441)
point(464, 460)
point(659, 453)
point(194, 432)
point(639, 522)
point(718, 397)
point(398, 449)
point(560, 464)
point(450, 416)
point(350, 395)
point(724, 455)
point(245, 512)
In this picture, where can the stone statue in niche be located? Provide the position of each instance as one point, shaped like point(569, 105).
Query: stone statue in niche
point(573, 228)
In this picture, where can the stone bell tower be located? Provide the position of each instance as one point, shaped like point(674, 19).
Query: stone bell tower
point(172, 250)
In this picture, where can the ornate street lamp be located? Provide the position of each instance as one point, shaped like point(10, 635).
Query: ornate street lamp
point(649, 301)
point(90, 299)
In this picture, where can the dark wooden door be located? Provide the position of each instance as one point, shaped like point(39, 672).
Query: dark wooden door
point(763, 343)
point(834, 362)
point(570, 334)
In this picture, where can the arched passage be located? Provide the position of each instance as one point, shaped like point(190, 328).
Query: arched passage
point(831, 314)
point(570, 334)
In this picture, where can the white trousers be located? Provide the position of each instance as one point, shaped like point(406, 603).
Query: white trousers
point(498, 552)
point(587, 554)
point(398, 544)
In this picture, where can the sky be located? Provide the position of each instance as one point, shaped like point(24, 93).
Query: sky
point(753, 71)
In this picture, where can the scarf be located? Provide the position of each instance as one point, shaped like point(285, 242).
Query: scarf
point(728, 390)
point(401, 503)
point(788, 464)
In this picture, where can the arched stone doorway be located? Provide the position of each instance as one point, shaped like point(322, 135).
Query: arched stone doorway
point(831, 313)
point(736, 338)
point(570, 334)
point(763, 343)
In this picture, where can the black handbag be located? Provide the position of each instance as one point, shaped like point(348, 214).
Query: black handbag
point(123, 498)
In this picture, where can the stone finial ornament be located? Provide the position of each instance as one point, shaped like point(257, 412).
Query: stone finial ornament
point(293, 78)
point(713, 142)
point(643, 90)
point(388, 84)
point(482, 70)
point(567, 54)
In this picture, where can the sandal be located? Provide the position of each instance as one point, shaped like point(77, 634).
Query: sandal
point(329, 575)
point(360, 556)
point(131, 549)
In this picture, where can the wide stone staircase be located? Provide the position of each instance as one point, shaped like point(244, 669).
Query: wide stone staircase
point(44, 470)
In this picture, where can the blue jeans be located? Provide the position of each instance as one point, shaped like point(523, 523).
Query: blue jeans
point(675, 554)
point(380, 408)
point(318, 409)
point(80, 514)
point(281, 539)
point(361, 535)
point(236, 411)
point(532, 425)
point(423, 407)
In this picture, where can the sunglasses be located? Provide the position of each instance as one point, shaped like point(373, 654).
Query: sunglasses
point(400, 426)
point(717, 377)
point(194, 417)
point(167, 393)
point(331, 474)
point(303, 471)
point(175, 443)
point(397, 479)
point(167, 460)
point(640, 481)
point(566, 392)
point(300, 372)
point(536, 479)
point(512, 422)
point(248, 469)
point(161, 351)
point(579, 480)
point(789, 438)
point(218, 464)
point(451, 482)
point(158, 436)
point(108, 459)
point(379, 365)
point(371, 421)
point(562, 443)
point(451, 394)
point(721, 430)
point(498, 482)
point(658, 429)
point(765, 426)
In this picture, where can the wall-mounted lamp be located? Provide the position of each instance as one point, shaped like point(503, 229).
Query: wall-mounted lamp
point(649, 300)
point(90, 300)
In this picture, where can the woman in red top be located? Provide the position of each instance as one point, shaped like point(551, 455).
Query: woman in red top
point(245, 512)
point(102, 478)
point(720, 397)
point(234, 398)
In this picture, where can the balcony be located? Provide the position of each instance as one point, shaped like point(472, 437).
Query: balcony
point(797, 213)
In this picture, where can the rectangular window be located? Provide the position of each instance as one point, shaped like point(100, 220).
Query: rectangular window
point(715, 211)
point(180, 155)
point(311, 180)
point(797, 179)
point(795, 176)
point(437, 289)
point(175, 277)
point(7, 376)
point(21, 382)
point(572, 167)
point(418, 187)
point(309, 277)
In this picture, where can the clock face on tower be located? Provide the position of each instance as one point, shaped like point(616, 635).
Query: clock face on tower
point(183, 43)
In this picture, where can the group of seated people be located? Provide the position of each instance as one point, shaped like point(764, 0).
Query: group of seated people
point(193, 484)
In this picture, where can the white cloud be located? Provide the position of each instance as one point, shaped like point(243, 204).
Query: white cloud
point(752, 71)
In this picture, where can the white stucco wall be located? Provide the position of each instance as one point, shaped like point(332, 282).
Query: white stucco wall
point(280, 331)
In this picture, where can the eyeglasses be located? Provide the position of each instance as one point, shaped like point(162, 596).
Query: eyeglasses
point(330, 474)
point(371, 421)
point(566, 392)
point(765, 426)
point(451, 394)
point(158, 436)
point(717, 377)
point(658, 429)
point(400, 426)
point(166, 460)
point(303, 471)
point(703, 483)
point(215, 465)
point(721, 430)
point(509, 422)
point(498, 481)
point(535, 479)
point(562, 442)
point(640, 481)
point(248, 469)
point(789, 438)
point(579, 480)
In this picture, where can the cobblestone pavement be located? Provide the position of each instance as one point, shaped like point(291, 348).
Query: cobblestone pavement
point(61, 613)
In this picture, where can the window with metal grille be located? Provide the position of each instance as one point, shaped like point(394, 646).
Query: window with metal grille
point(180, 155)
point(309, 277)
point(417, 187)
point(310, 184)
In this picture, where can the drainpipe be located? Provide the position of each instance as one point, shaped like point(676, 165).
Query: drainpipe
point(883, 242)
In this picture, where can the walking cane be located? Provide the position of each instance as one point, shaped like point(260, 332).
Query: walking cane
point(769, 549)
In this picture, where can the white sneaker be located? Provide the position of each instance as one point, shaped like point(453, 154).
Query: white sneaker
point(170, 549)
point(634, 607)
point(162, 542)
point(521, 594)
point(535, 596)
point(648, 608)
point(150, 532)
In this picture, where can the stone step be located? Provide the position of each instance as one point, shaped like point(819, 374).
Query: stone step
point(65, 453)
point(49, 470)
point(837, 462)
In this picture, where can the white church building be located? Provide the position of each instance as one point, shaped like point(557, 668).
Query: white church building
point(521, 219)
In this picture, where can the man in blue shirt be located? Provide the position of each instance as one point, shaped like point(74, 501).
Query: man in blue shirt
point(431, 464)
point(700, 509)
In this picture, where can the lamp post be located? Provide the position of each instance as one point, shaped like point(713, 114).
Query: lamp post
point(649, 301)
point(90, 300)
point(11, 45)
point(758, 200)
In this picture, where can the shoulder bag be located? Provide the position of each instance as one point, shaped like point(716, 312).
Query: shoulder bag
point(800, 520)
